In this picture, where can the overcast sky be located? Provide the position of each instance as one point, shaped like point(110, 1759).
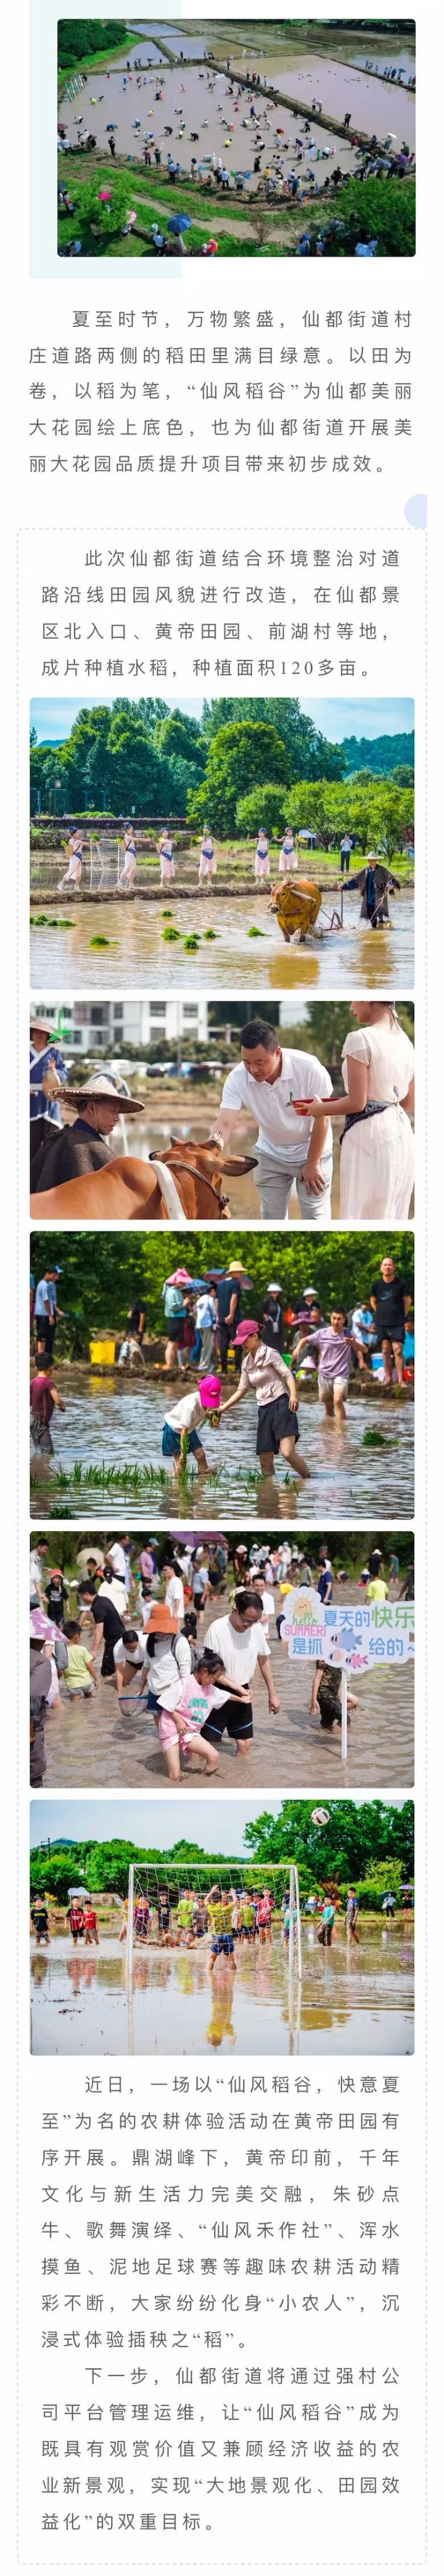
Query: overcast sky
point(53, 717)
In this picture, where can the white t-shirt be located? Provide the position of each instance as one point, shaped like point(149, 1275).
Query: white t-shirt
point(239, 1649)
point(302, 1077)
point(267, 1599)
point(167, 1672)
point(118, 1560)
point(185, 1415)
point(115, 1592)
point(175, 1596)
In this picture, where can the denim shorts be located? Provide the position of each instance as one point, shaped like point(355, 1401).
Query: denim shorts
point(171, 1441)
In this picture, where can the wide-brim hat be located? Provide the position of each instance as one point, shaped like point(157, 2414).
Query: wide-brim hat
point(45, 1026)
point(100, 1088)
point(235, 1269)
point(162, 1623)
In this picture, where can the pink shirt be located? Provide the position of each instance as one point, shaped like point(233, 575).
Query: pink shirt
point(195, 1703)
point(266, 1372)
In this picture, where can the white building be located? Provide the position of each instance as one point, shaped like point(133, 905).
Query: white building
point(89, 1027)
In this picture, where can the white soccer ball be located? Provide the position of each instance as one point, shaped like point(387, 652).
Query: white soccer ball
point(320, 1815)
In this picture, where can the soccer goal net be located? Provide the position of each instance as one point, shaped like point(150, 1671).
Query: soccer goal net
point(184, 1906)
point(105, 864)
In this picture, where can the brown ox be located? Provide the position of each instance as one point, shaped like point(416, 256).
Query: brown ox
point(186, 1183)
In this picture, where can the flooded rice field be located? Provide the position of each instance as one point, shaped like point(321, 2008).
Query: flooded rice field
point(110, 1744)
point(203, 116)
point(119, 1425)
point(135, 952)
point(343, 88)
point(352, 2000)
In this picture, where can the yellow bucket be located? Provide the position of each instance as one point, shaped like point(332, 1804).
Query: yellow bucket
point(100, 1352)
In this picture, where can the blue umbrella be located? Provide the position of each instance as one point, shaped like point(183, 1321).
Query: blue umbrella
point(179, 224)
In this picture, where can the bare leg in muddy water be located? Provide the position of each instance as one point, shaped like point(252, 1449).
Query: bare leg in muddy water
point(289, 1452)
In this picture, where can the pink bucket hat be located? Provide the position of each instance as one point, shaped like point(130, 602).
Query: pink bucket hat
point(210, 1393)
point(244, 1330)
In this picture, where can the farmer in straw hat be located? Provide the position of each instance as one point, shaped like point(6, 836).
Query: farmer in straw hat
point(83, 1147)
point(47, 1073)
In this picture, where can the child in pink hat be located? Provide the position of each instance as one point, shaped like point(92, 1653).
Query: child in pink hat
point(182, 1423)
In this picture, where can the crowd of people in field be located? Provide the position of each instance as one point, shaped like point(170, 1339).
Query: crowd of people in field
point(217, 1921)
point(189, 1642)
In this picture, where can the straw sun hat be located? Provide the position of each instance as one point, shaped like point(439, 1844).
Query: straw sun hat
point(100, 1088)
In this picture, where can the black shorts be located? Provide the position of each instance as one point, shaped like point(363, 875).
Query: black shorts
point(275, 1423)
point(174, 1328)
point(234, 1718)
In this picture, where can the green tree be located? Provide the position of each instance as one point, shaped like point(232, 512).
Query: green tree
point(181, 736)
point(381, 210)
point(102, 1273)
point(380, 753)
point(240, 756)
point(77, 38)
point(311, 755)
point(266, 806)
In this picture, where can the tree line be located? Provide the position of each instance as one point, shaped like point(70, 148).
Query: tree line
point(240, 763)
point(102, 1274)
point(366, 1843)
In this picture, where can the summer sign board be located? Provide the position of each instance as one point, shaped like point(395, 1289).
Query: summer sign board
point(352, 1635)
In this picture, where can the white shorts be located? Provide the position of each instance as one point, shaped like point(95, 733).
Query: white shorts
point(336, 1386)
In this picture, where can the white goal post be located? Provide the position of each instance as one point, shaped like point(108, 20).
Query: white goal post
point(105, 864)
point(145, 1878)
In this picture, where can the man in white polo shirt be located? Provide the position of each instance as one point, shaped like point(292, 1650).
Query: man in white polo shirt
point(242, 1642)
point(291, 1150)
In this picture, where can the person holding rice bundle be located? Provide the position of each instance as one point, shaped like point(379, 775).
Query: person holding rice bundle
point(130, 862)
point(262, 862)
point(288, 859)
point(207, 864)
point(180, 1431)
point(73, 872)
point(275, 1388)
point(377, 1146)
point(167, 867)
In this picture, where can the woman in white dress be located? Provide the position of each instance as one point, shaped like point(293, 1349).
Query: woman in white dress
point(262, 861)
point(73, 872)
point(130, 861)
point(207, 867)
point(288, 859)
point(167, 868)
point(377, 1148)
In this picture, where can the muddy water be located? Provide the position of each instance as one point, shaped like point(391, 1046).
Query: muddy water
point(352, 958)
point(106, 1744)
point(122, 1424)
point(344, 88)
point(352, 2000)
point(205, 117)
